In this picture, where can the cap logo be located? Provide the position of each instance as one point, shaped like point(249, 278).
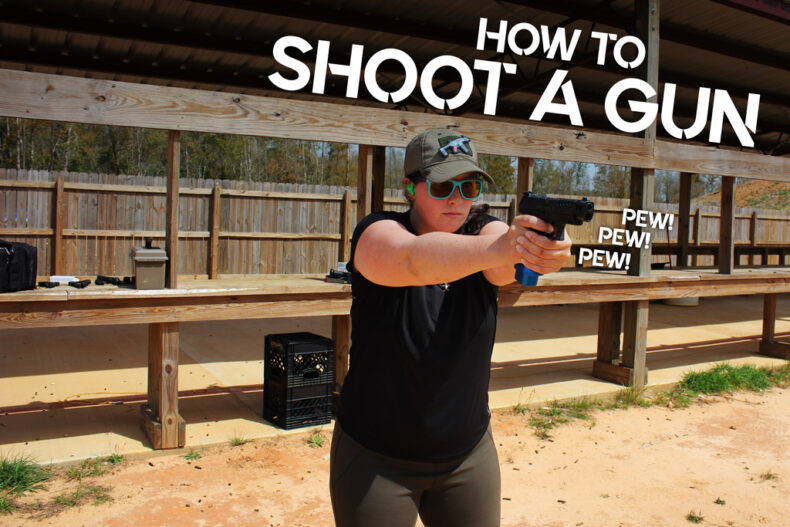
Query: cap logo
point(455, 144)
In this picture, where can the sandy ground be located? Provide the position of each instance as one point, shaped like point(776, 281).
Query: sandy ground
point(635, 467)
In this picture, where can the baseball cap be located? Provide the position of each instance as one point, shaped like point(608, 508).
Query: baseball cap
point(440, 155)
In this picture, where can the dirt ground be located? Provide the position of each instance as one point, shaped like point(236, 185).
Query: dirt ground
point(634, 467)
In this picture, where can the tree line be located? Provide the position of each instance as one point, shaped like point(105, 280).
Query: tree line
point(54, 146)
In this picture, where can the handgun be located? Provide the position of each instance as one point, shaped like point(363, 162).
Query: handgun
point(557, 211)
point(101, 280)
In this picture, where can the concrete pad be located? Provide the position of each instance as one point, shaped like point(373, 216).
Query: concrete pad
point(541, 354)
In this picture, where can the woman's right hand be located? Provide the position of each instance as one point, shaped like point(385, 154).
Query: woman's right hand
point(537, 252)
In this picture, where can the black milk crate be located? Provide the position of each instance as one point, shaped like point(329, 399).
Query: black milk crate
point(298, 359)
point(295, 407)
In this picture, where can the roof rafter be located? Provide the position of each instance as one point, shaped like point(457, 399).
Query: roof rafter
point(676, 33)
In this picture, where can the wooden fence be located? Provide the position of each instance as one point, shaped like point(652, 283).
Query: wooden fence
point(87, 224)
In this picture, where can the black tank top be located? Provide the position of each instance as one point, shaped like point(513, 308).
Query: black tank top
point(420, 361)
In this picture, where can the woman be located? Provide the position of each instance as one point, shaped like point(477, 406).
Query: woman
point(412, 436)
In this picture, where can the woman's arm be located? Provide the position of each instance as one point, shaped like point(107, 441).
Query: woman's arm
point(387, 254)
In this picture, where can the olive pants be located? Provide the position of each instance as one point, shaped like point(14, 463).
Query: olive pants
point(372, 490)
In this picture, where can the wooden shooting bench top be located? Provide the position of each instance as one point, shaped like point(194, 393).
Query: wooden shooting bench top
point(273, 297)
point(264, 297)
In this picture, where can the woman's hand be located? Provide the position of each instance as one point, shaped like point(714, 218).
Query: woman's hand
point(537, 252)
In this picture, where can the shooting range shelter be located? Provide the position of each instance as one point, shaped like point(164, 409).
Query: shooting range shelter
point(203, 66)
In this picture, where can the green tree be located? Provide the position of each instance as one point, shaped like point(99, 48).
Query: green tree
point(560, 177)
point(612, 181)
point(501, 170)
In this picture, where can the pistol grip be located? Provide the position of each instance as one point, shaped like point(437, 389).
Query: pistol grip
point(559, 232)
point(525, 276)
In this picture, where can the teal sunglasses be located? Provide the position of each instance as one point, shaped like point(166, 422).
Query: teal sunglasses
point(469, 188)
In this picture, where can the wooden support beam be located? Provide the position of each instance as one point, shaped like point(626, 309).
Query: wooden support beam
point(341, 335)
point(111, 102)
point(769, 317)
point(646, 24)
point(512, 210)
point(171, 239)
point(684, 212)
point(768, 344)
point(642, 193)
point(213, 246)
point(59, 215)
point(753, 236)
point(697, 242)
point(364, 181)
point(610, 323)
point(160, 419)
point(525, 176)
point(608, 365)
point(346, 230)
point(726, 225)
point(635, 340)
point(378, 178)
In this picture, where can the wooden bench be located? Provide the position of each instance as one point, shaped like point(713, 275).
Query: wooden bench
point(262, 297)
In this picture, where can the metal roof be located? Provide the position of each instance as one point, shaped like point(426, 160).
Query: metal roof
point(738, 45)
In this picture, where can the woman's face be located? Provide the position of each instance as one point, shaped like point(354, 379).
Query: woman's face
point(443, 215)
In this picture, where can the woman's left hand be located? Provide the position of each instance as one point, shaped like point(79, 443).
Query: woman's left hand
point(539, 253)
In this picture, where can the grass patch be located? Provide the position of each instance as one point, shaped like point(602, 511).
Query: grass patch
point(725, 378)
point(238, 440)
point(97, 493)
point(6, 505)
point(549, 417)
point(93, 467)
point(87, 468)
point(631, 396)
point(21, 474)
point(192, 456)
point(719, 501)
point(722, 378)
point(115, 459)
point(780, 377)
point(695, 517)
point(315, 441)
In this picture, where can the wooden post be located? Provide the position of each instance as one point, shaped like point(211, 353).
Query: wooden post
point(160, 419)
point(646, 25)
point(768, 344)
point(525, 176)
point(364, 181)
point(726, 225)
point(171, 240)
point(646, 22)
point(642, 192)
point(633, 368)
point(344, 252)
point(753, 236)
point(684, 211)
point(512, 210)
point(341, 334)
point(697, 219)
point(379, 164)
point(59, 219)
point(610, 324)
point(213, 246)
point(635, 341)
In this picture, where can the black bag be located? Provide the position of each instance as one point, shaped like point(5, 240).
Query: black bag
point(18, 266)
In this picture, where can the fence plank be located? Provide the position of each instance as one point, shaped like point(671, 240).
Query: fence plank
point(262, 223)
